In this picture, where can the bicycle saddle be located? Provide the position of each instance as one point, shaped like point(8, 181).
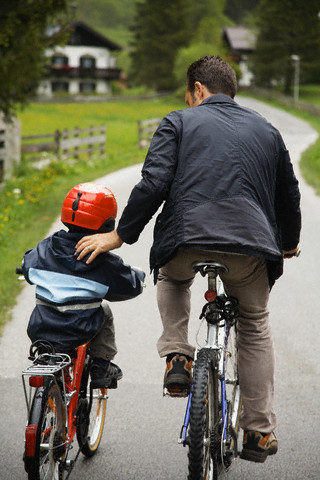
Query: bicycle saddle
point(209, 266)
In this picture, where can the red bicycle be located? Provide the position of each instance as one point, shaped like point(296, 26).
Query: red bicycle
point(62, 406)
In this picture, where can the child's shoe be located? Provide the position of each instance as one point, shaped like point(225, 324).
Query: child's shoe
point(104, 373)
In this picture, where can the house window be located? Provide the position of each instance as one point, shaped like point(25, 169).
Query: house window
point(59, 61)
point(87, 87)
point(87, 62)
point(60, 86)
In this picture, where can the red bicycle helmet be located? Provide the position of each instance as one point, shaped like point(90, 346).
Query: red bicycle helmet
point(88, 205)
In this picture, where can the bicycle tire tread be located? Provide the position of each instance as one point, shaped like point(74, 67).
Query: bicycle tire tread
point(197, 415)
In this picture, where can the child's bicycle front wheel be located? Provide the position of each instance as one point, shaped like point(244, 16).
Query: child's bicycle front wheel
point(92, 406)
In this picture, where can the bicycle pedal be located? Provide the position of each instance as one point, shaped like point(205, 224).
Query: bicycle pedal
point(175, 392)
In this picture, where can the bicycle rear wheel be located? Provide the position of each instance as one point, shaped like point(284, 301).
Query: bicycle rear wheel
point(91, 409)
point(205, 420)
point(45, 434)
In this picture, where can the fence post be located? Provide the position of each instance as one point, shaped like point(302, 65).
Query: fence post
point(76, 148)
point(90, 143)
point(103, 129)
point(3, 154)
point(57, 139)
point(64, 136)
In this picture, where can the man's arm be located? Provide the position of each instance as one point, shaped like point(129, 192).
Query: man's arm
point(287, 202)
point(146, 197)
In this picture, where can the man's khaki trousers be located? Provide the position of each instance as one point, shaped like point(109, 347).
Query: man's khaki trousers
point(247, 281)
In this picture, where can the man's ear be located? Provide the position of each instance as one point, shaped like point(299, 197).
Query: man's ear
point(201, 90)
point(198, 88)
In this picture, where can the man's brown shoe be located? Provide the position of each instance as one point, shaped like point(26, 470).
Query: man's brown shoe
point(178, 375)
point(257, 446)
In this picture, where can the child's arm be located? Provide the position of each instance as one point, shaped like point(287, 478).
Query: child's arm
point(124, 282)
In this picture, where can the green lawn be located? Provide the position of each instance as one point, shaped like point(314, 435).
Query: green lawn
point(310, 93)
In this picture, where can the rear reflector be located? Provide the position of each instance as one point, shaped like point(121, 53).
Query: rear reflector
point(36, 381)
point(210, 295)
point(31, 434)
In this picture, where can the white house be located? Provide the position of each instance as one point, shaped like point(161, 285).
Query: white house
point(84, 65)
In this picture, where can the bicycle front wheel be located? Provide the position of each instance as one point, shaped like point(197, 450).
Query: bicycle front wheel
point(205, 420)
point(92, 408)
point(45, 447)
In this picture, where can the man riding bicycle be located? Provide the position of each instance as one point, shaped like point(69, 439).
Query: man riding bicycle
point(230, 195)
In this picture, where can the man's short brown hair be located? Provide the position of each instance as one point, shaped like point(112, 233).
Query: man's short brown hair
point(214, 73)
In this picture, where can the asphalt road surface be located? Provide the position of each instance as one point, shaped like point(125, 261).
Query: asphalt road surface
point(142, 427)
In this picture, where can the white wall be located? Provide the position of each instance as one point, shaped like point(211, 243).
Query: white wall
point(247, 76)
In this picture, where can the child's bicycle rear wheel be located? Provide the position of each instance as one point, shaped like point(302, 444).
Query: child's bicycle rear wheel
point(45, 434)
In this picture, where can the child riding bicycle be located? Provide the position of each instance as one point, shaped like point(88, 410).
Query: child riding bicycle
point(70, 295)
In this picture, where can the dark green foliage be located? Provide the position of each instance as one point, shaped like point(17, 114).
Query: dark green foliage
point(287, 28)
point(237, 10)
point(106, 13)
point(22, 44)
point(160, 29)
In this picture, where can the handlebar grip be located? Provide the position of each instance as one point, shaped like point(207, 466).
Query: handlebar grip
point(19, 271)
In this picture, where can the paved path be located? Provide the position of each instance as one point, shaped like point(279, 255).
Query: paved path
point(142, 427)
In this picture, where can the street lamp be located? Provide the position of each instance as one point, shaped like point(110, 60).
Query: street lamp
point(296, 60)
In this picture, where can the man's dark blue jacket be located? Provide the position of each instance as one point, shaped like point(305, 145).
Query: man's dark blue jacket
point(69, 292)
point(228, 184)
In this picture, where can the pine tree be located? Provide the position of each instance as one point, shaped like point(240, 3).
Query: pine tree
point(287, 28)
point(161, 27)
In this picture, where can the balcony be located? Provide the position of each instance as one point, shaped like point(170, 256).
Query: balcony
point(94, 73)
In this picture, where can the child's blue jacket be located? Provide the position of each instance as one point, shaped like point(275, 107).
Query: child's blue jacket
point(69, 292)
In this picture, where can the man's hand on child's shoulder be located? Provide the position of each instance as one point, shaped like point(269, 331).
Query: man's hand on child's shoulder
point(96, 244)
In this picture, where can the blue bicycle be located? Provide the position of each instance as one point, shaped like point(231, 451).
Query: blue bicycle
point(211, 423)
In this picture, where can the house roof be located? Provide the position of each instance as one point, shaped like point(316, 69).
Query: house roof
point(83, 34)
point(239, 38)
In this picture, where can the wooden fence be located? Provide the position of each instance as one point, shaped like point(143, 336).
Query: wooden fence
point(2, 154)
point(70, 143)
point(146, 129)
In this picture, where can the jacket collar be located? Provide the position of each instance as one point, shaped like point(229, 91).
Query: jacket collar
point(217, 98)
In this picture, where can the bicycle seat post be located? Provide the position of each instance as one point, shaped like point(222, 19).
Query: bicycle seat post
point(212, 279)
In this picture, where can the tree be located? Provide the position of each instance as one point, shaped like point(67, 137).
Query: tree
point(106, 13)
point(208, 20)
point(23, 41)
point(286, 28)
point(238, 10)
point(161, 27)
